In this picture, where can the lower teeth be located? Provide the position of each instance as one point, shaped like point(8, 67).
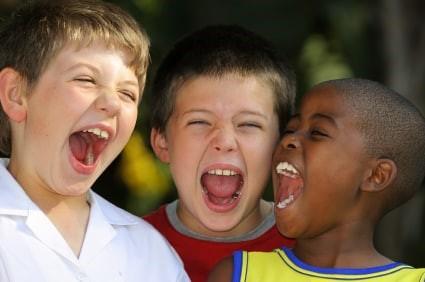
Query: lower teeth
point(228, 200)
point(284, 203)
point(236, 195)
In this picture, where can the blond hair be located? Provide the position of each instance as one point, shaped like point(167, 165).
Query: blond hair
point(39, 30)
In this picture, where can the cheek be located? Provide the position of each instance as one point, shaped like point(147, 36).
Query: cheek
point(183, 158)
point(127, 122)
point(46, 121)
point(259, 152)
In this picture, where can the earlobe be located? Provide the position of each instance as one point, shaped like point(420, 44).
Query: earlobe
point(11, 95)
point(382, 175)
point(160, 145)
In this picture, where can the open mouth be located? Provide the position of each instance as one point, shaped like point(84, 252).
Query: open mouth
point(290, 185)
point(222, 188)
point(87, 145)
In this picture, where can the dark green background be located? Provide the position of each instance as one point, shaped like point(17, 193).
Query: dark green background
point(378, 40)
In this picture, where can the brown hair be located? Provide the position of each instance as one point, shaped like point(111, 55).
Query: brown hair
point(217, 51)
point(37, 31)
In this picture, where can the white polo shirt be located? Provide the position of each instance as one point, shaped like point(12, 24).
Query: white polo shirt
point(117, 247)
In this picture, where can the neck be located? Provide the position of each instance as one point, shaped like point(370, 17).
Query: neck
point(71, 220)
point(349, 246)
point(247, 224)
point(69, 214)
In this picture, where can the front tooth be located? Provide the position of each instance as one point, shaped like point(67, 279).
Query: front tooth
point(281, 205)
point(96, 131)
point(279, 168)
point(104, 134)
point(225, 172)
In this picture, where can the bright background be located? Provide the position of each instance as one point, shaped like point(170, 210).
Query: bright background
point(322, 39)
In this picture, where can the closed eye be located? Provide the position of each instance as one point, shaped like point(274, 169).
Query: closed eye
point(288, 131)
point(198, 122)
point(318, 133)
point(129, 95)
point(85, 79)
point(250, 125)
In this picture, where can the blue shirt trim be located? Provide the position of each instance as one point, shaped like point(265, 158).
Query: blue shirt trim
point(237, 266)
point(346, 271)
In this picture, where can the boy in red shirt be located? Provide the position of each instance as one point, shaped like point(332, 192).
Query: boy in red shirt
point(218, 98)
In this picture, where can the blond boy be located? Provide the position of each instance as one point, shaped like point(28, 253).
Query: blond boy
point(71, 79)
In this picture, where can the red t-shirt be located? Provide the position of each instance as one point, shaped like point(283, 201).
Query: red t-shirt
point(200, 256)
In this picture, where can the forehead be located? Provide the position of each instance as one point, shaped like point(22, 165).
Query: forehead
point(83, 47)
point(326, 100)
point(226, 90)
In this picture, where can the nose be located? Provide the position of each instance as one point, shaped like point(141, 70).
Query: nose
point(108, 102)
point(224, 140)
point(290, 141)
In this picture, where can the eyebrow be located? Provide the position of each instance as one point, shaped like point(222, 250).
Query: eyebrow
point(190, 111)
point(254, 113)
point(96, 71)
point(319, 116)
point(245, 112)
point(79, 65)
point(329, 118)
point(130, 82)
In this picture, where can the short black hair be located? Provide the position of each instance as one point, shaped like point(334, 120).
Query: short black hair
point(392, 128)
point(216, 51)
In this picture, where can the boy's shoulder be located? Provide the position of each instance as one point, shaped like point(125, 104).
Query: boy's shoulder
point(117, 216)
point(138, 229)
point(282, 263)
point(142, 235)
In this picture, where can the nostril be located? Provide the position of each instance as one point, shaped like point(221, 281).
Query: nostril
point(291, 146)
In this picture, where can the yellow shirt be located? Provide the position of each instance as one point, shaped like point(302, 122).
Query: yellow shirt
point(282, 265)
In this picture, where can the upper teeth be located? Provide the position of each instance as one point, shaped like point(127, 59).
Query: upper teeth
point(287, 169)
point(226, 172)
point(98, 132)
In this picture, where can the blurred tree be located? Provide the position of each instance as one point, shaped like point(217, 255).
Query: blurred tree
point(403, 44)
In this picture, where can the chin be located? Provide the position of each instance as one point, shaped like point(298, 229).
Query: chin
point(289, 230)
point(221, 223)
point(74, 189)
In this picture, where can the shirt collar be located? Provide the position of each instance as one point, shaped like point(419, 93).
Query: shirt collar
point(112, 214)
point(14, 201)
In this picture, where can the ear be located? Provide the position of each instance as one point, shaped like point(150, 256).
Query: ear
point(160, 145)
point(12, 97)
point(382, 174)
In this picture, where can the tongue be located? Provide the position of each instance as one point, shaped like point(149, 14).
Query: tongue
point(290, 186)
point(86, 147)
point(221, 186)
point(79, 146)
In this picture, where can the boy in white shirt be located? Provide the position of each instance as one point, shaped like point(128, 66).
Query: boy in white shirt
point(71, 79)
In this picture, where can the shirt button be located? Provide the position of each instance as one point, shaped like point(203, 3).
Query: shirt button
point(82, 277)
